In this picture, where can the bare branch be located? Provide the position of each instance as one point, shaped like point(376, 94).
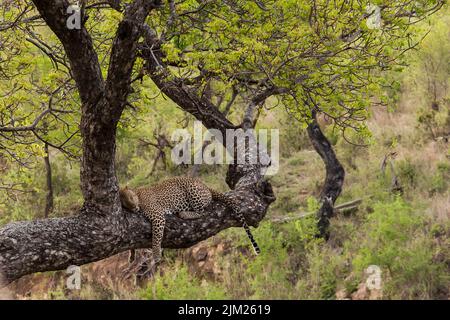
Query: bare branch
point(30, 127)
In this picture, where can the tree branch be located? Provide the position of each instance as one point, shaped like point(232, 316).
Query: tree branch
point(123, 54)
point(54, 244)
point(201, 108)
point(30, 127)
point(102, 229)
point(248, 120)
point(78, 46)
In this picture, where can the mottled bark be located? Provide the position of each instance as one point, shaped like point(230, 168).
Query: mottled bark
point(204, 110)
point(99, 119)
point(54, 244)
point(102, 106)
point(334, 179)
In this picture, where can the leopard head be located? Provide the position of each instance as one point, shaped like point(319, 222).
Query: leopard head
point(129, 199)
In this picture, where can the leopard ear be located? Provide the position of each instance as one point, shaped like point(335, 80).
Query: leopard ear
point(126, 187)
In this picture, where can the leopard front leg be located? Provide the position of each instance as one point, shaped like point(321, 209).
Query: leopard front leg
point(158, 224)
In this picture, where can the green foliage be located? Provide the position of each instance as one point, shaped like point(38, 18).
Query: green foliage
point(287, 202)
point(408, 172)
point(325, 270)
point(396, 242)
point(388, 229)
point(294, 138)
point(336, 67)
point(312, 204)
point(434, 123)
point(281, 46)
point(267, 276)
point(430, 69)
point(440, 180)
point(289, 253)
point(177, 284)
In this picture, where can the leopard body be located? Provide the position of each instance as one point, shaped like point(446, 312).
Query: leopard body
point(186, 197)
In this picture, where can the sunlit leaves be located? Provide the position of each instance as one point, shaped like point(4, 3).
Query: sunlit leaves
point(325, 52)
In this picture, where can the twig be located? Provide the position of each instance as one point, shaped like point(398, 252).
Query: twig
point(339, 208)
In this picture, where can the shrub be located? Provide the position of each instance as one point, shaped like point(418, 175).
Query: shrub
point(177, 284)
point(408, 173)
point(395, 238)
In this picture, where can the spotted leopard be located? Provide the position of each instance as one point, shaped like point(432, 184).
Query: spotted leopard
point(186, 197)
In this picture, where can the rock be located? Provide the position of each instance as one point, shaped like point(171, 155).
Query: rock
point(342, 295)
point(203, 258)
point(200, 253)
point(363, 293)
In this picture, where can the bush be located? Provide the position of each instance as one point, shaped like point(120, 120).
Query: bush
point(439, 181)
point(408, 173)
point(394, 238)
point(177, 284)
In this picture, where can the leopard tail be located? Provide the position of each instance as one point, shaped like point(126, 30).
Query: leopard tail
point(219, 196)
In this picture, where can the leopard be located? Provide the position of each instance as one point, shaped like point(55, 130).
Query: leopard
point(186, 197)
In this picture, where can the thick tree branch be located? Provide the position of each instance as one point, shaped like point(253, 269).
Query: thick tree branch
point(102, 104)
point(201, 108)
point(54, 244)
point(123, 54)
point(78, 46)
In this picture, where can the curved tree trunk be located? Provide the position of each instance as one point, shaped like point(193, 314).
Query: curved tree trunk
point(334, 179)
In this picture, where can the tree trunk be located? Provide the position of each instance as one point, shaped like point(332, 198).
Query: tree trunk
point(98, 176)
point(48, 178)
point(334, 179)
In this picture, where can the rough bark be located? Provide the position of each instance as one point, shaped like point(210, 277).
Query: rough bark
point(334, 178)
point(100, 118)
point(204, 110)
point(102, 105)
point(54, 244)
